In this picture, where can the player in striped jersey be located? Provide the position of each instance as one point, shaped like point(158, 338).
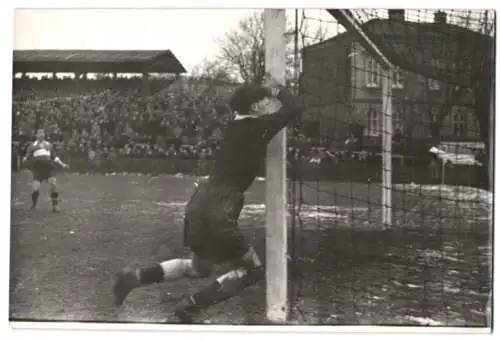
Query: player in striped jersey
point(43, 168)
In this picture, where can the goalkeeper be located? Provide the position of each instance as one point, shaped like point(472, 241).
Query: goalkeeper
point(211, 218)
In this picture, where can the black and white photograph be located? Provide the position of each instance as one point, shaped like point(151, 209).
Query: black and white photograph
point(253, 167)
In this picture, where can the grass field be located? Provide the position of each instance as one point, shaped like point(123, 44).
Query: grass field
point(431, 268)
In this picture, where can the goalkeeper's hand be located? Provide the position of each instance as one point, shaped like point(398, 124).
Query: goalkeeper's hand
point(272, 84)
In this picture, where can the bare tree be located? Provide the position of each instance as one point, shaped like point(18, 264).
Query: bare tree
point(242, 50)
point(213, 71)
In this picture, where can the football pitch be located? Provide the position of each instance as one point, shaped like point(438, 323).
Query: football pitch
point(430, 268)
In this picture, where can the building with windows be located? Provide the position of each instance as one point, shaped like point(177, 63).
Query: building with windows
point(342, 85)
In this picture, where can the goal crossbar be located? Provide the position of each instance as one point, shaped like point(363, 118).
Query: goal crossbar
point(353, 25)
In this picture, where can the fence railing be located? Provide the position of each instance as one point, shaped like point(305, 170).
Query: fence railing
point(349, 168)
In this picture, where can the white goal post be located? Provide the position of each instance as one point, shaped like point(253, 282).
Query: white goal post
point(352, 25)
point(276, 191)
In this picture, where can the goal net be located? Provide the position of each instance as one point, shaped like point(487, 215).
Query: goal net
point(390, 200)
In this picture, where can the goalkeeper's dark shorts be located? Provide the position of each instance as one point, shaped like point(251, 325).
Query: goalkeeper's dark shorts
point(211, 224)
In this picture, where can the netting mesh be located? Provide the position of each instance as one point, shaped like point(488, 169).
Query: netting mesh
point(432, 265)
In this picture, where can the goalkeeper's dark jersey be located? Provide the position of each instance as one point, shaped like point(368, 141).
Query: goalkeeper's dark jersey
point(243, 149)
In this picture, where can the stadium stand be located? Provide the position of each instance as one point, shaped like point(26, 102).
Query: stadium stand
point(112, 114)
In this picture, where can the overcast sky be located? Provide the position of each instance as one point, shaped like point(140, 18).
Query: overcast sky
point(189, 33)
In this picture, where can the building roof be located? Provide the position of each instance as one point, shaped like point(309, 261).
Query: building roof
point(96, 61)
point(415, 46)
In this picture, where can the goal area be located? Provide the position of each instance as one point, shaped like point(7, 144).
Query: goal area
point(379, 201)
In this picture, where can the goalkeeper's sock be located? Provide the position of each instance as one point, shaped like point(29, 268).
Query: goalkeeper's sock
point(34, 198)
point(223, 288)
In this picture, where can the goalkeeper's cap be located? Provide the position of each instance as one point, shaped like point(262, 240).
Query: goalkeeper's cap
point(246, 95)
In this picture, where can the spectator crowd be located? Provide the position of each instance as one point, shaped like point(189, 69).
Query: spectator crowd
point(113, 117)
point(116, 117)
point(107, 118)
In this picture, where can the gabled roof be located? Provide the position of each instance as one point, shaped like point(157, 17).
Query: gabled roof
point(414, 45)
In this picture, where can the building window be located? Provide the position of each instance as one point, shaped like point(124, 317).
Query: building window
point(335, 70)
point(418, 130)
point(434, 113)
point(398, 121)
point(459, 122)
point(372, 73)
point(433, 84)
point(397, 80)
point(474, 131)
point(374, 123)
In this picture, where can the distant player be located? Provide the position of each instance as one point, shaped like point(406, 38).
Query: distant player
point(43, 164)
point(211, 219)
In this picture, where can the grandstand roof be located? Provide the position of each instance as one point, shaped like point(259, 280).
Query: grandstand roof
point(96, 61)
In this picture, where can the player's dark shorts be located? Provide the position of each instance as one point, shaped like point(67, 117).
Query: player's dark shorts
point(42, 170)
point(211, 224)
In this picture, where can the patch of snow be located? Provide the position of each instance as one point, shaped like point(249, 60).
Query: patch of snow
point(425, 321)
